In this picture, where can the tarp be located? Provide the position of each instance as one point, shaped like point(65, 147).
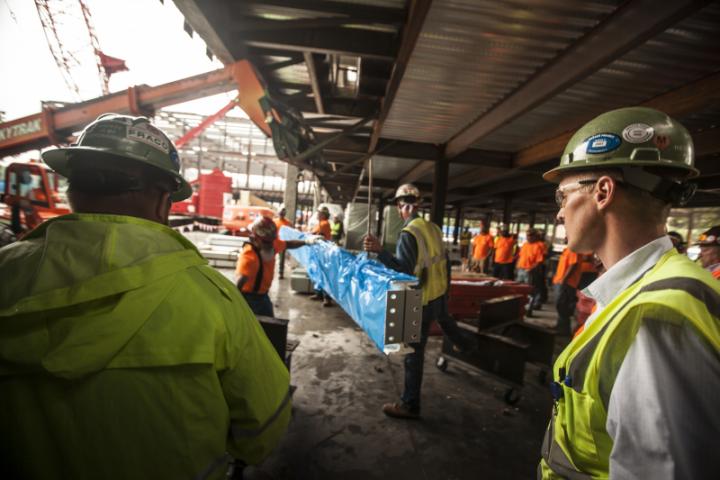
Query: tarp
point(357, 283)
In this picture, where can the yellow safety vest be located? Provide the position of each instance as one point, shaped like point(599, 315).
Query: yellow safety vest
point(675, 290)
point(431, 266)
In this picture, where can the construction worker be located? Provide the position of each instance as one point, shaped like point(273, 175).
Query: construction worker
point(420, 252)
point(336, 229)
point(504, 260)
point(636, 391)
point(709, 243)
point(323, 230)
point(529, 268)
point(256, 264)
point(465, 237)
point(124, 355)
point(565, 281)
point(482, 248)
point(280, 222)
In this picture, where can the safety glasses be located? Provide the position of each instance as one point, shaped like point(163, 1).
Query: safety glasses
point(562, 192)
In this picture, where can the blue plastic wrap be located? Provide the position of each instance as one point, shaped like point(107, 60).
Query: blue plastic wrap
point(357, 283)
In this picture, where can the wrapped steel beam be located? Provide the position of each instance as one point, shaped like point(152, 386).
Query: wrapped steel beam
point(356, 226)
point(386, 304)
point(391, 227)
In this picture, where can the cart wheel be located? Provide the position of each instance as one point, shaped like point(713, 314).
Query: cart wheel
point(511, 396)
point(441, 364)
point(543, 377)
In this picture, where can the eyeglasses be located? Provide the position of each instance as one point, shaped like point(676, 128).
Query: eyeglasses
point(562, 192)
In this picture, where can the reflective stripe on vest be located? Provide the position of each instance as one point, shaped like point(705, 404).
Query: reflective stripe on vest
point(576, 443)
point(431, 266)
point(244, 433)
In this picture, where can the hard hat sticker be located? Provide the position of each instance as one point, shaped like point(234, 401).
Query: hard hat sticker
point(143, 134)
point(638, 133)
point(602, 143)
point(661, 141)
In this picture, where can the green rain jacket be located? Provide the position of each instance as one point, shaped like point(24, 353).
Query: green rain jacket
point(123, 355)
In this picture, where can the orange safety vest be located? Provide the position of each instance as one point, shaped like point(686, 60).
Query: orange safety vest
point(482, 244)
point(259, 273)
point(323, 228)
point(504, 249)
point(567, 259)
point(531, 255)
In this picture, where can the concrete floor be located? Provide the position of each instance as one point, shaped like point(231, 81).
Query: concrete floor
point(338, 430)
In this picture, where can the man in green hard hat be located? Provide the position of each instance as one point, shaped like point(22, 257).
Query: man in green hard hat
point(124, 355)
point(636, 391)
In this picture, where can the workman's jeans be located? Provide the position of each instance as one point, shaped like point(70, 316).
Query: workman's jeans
point(565, 300)
point(503, 271)
point(533, 278)
point(435, 310)
point(259, 303)
point(281, 264)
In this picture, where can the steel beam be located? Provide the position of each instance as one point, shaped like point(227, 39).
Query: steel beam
point(689, 98)
point(411, 32)
point(333, 41)
point(366, 13)
point(312, 73)
point(195, 16)
point(631, 25)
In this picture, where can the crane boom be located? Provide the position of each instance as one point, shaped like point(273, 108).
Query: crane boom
point(55, 126)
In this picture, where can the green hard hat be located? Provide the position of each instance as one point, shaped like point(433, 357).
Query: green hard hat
point(633, 137)
point(114, 137)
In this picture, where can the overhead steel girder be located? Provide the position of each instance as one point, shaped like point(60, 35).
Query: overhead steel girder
point(342, 41)
point(689, 98)
point(631, 25)
point(364, 13)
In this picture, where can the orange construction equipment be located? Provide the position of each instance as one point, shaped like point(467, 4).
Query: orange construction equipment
point(32, 195)
point(237, 218)
point(55, 126)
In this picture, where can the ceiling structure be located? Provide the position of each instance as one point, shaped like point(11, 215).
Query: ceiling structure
point(472, 99)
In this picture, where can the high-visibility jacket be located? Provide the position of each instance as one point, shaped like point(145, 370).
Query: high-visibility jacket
point(675, 291)
point(336, 230)
point(465, 238)
point(124, 355)
point(431, 265)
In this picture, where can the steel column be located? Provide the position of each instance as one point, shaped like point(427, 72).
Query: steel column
point(458, 221)
point(439, 194)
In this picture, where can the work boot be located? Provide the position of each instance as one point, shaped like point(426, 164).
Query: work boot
point(316, 297)
point(400, 410)
point(327, 302)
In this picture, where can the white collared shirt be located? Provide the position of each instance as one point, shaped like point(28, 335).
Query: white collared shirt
point(663, 415)
point(624, 273)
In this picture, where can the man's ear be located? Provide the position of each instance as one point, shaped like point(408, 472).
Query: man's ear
point(162, 209)
point(605, 191)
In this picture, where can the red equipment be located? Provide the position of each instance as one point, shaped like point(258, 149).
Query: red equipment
point(31, 196)
point(206, 204)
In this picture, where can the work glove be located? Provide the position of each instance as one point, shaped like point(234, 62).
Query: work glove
point(313, 239)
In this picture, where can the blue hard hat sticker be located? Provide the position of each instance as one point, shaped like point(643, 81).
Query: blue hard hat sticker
point(602, 143)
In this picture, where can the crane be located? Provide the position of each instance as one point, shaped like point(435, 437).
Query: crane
point(61, 20)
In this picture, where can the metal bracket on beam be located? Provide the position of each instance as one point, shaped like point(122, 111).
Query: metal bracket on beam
point(403, 315)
